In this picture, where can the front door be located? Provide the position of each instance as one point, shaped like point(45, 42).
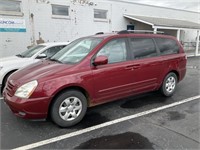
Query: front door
point(113, 80)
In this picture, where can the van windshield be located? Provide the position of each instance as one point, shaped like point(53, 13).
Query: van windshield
point(76, 51)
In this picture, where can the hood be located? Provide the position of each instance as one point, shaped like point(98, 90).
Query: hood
point(14, 61)
point(41, 71)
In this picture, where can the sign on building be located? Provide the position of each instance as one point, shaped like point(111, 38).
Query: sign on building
point(12, 25)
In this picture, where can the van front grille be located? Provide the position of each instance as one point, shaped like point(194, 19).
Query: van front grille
point(10, 89)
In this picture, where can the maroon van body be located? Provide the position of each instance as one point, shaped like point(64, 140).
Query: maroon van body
point(99, 83)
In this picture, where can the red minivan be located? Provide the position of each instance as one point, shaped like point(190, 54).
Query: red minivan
point(95, 70)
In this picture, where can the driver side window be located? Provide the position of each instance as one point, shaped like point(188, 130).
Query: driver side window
point(115, 50)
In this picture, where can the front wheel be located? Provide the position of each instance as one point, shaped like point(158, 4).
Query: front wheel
point(169, 84)
point(69, 108)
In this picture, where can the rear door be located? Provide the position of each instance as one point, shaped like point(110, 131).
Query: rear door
point(171, 56)
point(113, 80)
point(147, 64)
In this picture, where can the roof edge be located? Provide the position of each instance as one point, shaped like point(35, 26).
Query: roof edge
point(127, 16)
point(125, 1)
point(154, 25)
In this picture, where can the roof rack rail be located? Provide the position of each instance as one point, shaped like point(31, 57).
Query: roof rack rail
point(99, 33)
point(139, 31)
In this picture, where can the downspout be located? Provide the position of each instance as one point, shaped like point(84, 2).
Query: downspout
point(110, 21)
point(31, 18)
point(197, 43)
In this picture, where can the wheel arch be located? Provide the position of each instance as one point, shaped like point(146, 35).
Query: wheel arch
point(8, 74)
point(77, 88)
point(5, 77)
point(173, 71)
point(176, 73)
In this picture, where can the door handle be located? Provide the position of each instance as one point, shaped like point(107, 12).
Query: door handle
point(137, 66)
point(132, 67)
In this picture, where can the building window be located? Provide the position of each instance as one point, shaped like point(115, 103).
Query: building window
point(60, 10)
point(100, 14)
point(10, 7)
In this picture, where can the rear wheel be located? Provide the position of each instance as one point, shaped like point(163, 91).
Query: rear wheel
point(169, 84)
point(69, 108)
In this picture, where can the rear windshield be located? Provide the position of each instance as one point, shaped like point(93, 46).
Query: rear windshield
point(77, 50)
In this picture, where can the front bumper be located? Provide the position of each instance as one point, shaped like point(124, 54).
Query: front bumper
point(33, 108)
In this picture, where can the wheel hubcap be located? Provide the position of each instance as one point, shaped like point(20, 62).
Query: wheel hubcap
point(170, 84)
point(70, 108)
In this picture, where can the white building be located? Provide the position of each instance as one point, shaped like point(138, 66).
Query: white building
point(26, 23)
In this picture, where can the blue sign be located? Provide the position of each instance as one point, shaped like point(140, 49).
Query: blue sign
point(12, 25)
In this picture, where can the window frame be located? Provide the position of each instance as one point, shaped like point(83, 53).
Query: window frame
point(128, 57)
point(100, 19)
point(131, 48)
point(13, 13)
point(54, 16)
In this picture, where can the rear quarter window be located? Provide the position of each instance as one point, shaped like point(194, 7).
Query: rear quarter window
point(143, 48)
point(167, 46)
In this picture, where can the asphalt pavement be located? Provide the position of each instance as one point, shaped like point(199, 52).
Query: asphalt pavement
point(176, 127)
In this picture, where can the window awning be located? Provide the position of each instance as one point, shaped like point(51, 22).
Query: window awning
point(166, 23)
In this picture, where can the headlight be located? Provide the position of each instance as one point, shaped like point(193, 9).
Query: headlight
point(26, 90)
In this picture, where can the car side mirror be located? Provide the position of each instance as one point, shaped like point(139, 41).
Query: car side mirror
point(40, 56)
point(100, 60)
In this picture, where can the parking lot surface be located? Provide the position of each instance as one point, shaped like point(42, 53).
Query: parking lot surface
point(175, 127)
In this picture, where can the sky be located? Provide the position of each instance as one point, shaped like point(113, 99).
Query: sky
point(191, 5)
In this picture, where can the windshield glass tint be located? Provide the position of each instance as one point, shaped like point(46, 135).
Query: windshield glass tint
point(77, 50)
point(30, 52)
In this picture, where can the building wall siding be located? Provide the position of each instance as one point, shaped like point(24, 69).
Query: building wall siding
point(41, 26)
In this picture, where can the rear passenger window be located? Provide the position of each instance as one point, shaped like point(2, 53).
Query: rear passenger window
point(115, 50)
point(143, 48)
point(167, 46)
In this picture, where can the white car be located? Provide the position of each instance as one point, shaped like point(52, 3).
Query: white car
point(8, 65)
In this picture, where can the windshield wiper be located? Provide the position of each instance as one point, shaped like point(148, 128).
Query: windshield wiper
point(19, 55)
point(54, 60)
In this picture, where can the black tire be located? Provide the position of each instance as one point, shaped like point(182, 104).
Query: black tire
point(5, 80)
point(168, 89)
point(61, 102)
